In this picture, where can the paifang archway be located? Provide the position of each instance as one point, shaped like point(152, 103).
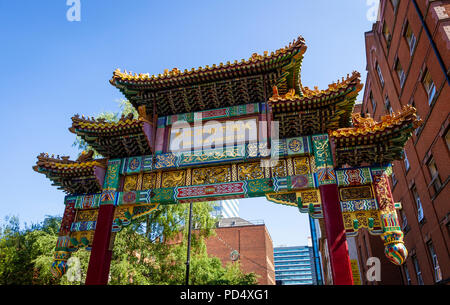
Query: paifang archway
point(329, 163)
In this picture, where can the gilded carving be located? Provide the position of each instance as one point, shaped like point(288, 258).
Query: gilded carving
point(188, 176)
point(149, 181)
point(310, 197)
point(81, 237)
point(139, 181)
point(362, 218)
point(234, 172)
point(290, 168)
point(356, 193)
point(301, 166)
point(312, 162)
point(173, 179)
point(86, 215)
point(279, 170)
point(130, 183)
point(158, 180)
point(249, 171)
point(207, 175)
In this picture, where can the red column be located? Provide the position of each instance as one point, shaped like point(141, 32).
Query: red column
point(337, 242)
point(99, 263)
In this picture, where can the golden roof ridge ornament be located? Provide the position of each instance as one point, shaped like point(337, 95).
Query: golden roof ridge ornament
point(363, 126)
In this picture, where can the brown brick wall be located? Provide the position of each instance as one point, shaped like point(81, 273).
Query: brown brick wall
point(430, 140)
point(254, 246)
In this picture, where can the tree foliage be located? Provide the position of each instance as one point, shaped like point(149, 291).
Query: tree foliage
point(140, 257)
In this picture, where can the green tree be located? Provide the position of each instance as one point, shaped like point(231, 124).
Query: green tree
point(22, 251)
point(159, 258)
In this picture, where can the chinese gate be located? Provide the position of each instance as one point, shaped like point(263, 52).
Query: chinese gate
point(234, 130)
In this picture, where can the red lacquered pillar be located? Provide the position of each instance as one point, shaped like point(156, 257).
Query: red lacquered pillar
point(336, 239)
point(101, 253)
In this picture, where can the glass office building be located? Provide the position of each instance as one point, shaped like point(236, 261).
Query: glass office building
point(294, 265)
point(226, 208)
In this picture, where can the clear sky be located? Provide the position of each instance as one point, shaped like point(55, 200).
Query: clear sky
point(52, 69)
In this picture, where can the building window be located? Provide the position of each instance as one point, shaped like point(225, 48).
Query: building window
point(407, 165)
point(429, 86)
point(410, 38)
point(400, 72)
point(435, 180)
point(387, 104)
point(380, 75)
point(408, 277)
point(404, 221)
point(374, 104)
point(418, 204)
point(394, 179)
point(437, 269)
point(387, 34)
point(418, 272)
point(395, 5)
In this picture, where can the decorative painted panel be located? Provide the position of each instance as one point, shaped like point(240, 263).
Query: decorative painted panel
point(325, 176)
point(130, 183)
point(210, 190)
point(359, 205)
point(173, 178)
point(322, 151)
point(279, 170)
point(301, 166)
point(208, 175)
point(250, 171)
point(149, 181)
point(309, 201)
point(355, 176)
point(297, 146)
point(356, 193)
point(220, 113)
point(212, 155)
point(370, 220)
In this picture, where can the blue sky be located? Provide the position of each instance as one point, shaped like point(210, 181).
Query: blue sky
point(52, 69)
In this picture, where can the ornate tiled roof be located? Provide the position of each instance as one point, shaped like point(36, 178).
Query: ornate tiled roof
point(315, 111)
point(126, 125)
point(124, 138)
point(317, 98)
point(216, 86)
point(254, 65)
point(75, 177)
point(374, 142)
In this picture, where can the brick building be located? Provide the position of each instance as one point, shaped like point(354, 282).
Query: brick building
point(252, 243)
point(408, 59)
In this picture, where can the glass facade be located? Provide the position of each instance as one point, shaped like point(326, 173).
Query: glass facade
point(225, 208)
point(294, 265)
